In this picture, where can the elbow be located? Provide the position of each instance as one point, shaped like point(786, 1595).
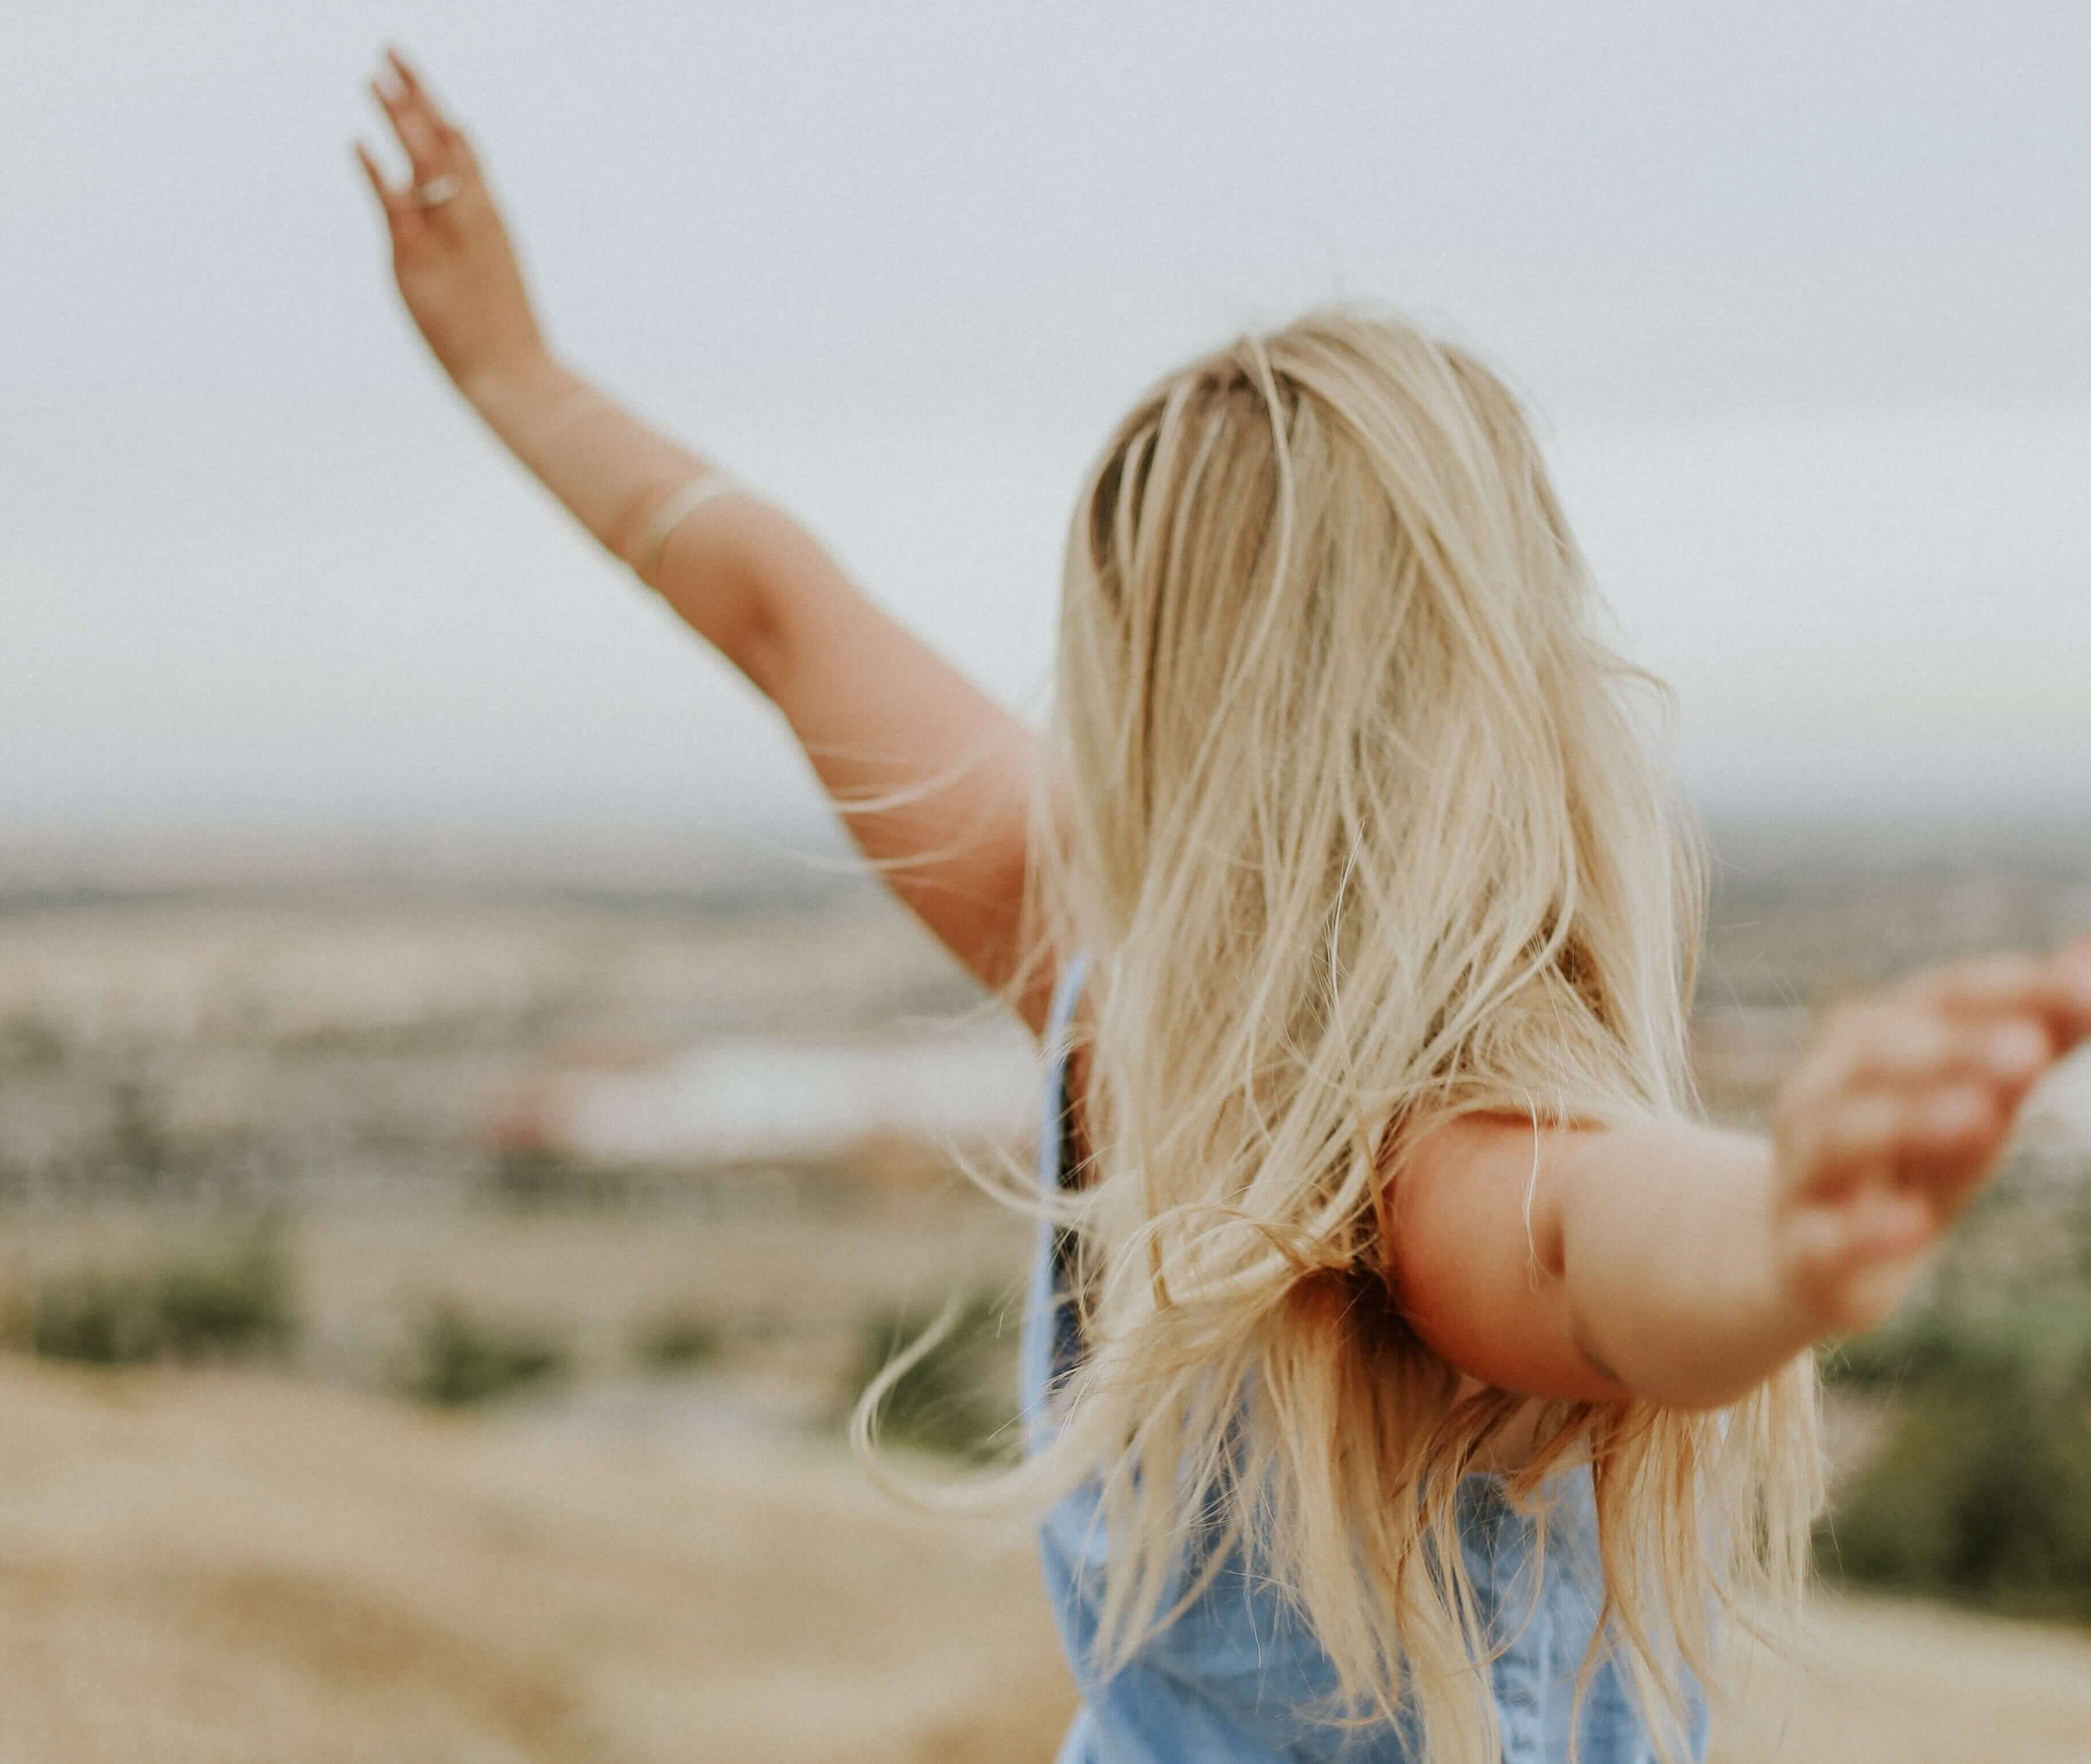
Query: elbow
point(754, 641)
point(721, 583)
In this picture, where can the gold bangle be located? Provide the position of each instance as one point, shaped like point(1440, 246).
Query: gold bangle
point(670, 515)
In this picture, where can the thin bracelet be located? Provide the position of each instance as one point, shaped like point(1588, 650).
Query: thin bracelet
point(700, 490)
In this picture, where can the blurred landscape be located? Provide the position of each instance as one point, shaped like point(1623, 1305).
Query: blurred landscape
point(435, 1281)
point(435, 1266)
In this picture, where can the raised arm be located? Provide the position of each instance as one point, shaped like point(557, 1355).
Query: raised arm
point(929, 775)
point(1685, 1263)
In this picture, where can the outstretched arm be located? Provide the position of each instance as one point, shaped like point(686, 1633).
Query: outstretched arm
point(929, 775)
point(1685, 1263)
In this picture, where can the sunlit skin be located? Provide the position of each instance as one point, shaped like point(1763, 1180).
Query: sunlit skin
point(1677, 1261)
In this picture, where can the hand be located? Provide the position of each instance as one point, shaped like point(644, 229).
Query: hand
point(1897, 1115)
point(456, 268)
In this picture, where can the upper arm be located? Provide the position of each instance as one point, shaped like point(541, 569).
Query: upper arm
point(1477, 1260)
point(931, 776)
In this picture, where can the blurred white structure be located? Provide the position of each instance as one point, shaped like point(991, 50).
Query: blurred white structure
point(2057, 1115)
point(759, 1099)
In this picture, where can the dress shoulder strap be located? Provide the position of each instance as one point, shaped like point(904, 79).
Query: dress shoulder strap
point(1057, 1127)
point(1065, 990)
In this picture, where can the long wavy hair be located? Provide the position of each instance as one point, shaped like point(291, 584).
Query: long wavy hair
point(1347, 800)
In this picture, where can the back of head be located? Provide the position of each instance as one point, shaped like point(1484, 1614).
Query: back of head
point(1350, 807)
point(1338, 739)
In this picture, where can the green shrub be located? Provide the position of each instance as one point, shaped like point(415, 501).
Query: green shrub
point(96, 1316)
point(142, 1153)
point(528, 1178)
point(1981, 1494)
point(2044, 1341)
point(676, 1341)
point(960, 1397)
point(223, 1301)
point(460, 1360)
point(233, 1299)
point(1983, 1491)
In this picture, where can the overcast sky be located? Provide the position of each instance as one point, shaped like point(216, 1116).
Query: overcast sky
point(1797, 292)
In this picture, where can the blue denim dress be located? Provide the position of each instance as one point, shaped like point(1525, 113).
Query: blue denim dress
point(1236, 1678)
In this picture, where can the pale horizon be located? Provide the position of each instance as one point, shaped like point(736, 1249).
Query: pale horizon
point(1796, 304)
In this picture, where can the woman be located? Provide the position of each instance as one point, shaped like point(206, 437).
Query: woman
point(1408, 1373)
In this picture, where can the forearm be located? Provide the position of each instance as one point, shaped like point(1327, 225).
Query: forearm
point(1666, 1252)
point(614, 473)
point(930, 776)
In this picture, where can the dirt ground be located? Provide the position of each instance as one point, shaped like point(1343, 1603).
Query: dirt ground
point(237, 1567)
point(254, 1568)
point(790, 1289)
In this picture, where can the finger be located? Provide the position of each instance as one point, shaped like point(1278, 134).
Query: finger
point(1961, 1115)
point(1826, 1070)
point(1955, 1140)
point(1851, 1263)
point(393, 202)
point(424, 150)
point(1889, 1221)
point(1904, 1045)
point(2056, 989)
point(416, 89)
point(1976, 982)
point(1853, 1138)
point(2073, 965)
point(450, 146)
point(1894, 1086)
point(1943, 1141)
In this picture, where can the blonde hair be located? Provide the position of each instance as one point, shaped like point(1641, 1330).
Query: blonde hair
point(1346, 804)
